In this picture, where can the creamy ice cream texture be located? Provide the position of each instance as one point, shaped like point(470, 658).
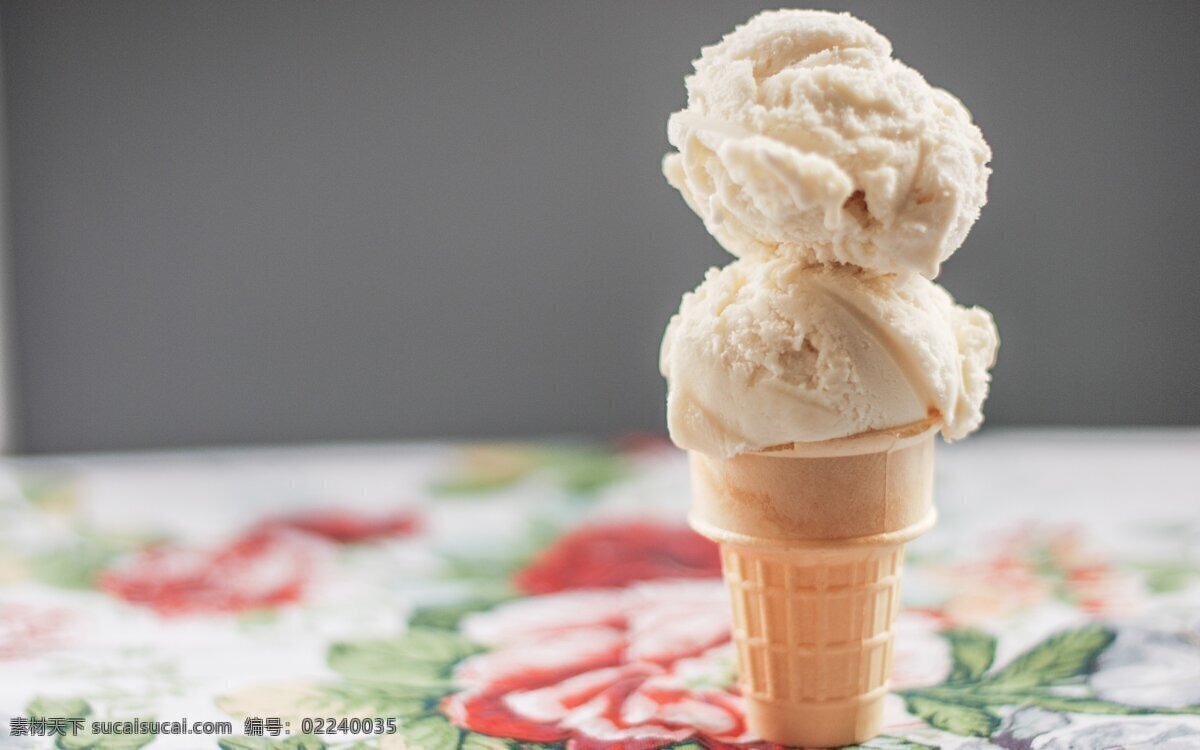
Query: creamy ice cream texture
point(841, 180)
point(803, 135)
point(769, 352)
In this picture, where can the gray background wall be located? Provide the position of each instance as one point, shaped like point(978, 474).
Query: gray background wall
point(276, 221)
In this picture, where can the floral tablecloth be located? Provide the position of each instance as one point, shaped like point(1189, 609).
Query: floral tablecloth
point(451, 597)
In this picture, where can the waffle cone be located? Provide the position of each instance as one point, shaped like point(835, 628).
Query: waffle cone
point(812, 546)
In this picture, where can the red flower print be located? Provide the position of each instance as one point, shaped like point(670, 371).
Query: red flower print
point(1030, 566)
point(263, 568)
point(601, 668)
point(27, 631)
point(620, 554)
point(345, 527)
point(636, 668)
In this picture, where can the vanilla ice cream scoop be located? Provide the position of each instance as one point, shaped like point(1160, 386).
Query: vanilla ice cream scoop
point(768, 352)
point(803, 136)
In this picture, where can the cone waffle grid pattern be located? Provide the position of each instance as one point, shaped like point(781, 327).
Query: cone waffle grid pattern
point(813, 628)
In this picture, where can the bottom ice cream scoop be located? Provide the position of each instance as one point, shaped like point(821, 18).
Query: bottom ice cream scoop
point(768, 352)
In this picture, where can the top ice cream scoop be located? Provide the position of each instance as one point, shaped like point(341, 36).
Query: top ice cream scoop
point(803, 136)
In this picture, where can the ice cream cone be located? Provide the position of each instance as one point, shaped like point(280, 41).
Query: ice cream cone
point(812, 545)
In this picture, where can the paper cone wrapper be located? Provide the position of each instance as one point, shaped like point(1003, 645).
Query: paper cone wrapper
point(812, 546)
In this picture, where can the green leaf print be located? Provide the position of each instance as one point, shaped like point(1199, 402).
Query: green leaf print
point(85, 740)
point(448, 616)
point(370, 699)
point(967, 703)
point(421, 656)
point(470, 485)
point(577, 469)
point(486, 468)
point(476, 741)
point(954, 718)
point(55, 492)
point(43, 706)
point(1064, 656)
point(431, 732)
point(72, 567)
point(244, 743)
point(77, 565)
point(1069, 704)
point(1167, 577)
point(584, 470)
point(972, 652)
